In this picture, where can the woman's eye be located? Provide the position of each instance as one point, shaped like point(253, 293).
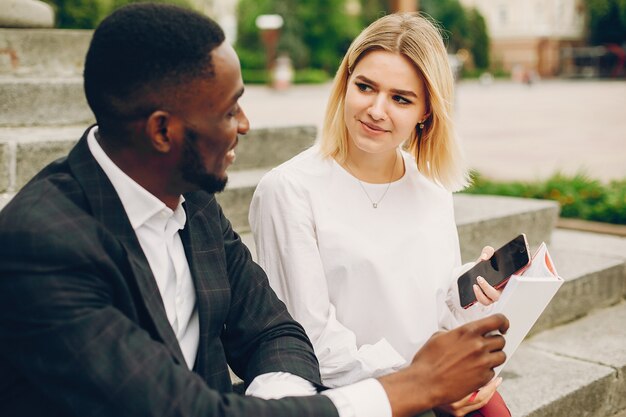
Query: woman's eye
point(401, 100)
point(363, 87)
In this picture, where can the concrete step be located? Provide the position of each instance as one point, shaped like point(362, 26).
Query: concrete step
point(43, 52)
point(621, 413)
point(25, 150)
point(43, 102)
point(494, 220)
point(594, 271)
point(577, 369)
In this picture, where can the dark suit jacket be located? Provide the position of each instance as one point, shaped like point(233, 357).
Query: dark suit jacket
point(83, 330)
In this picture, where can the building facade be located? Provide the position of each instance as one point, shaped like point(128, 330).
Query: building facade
point(529, 35)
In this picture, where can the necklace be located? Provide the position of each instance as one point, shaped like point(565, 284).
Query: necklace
point(374, 203)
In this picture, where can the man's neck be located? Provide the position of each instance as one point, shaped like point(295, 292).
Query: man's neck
point(142, 168)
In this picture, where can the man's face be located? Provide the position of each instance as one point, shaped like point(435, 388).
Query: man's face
point(193, 169)
point(212, 121)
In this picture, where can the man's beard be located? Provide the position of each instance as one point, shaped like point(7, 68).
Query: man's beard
point(193, 169)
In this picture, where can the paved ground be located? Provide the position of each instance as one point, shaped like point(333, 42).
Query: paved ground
point(510, 131)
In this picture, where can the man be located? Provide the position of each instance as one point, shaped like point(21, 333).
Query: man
point(123, 289)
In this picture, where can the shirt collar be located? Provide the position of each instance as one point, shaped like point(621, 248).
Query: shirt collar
point(140, 205)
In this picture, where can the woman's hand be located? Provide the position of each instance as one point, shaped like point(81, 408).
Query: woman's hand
point(473, 401)
point(485, 293)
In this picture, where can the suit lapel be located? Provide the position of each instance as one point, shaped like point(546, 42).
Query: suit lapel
point(108, 209)
point(204, 257)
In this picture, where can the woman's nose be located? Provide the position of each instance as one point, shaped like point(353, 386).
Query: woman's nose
point(377, 110)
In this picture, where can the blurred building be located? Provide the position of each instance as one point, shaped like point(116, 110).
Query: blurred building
point(528, 35)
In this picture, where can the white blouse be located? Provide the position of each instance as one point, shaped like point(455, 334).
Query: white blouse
point(369, 285)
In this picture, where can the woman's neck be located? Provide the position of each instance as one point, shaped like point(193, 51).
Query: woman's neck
point(375, 168)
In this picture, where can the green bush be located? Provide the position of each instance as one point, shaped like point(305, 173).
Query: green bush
point(87, 14)
point(303, 76)
point(254, 76)
point(311, 76)
point(578, 195)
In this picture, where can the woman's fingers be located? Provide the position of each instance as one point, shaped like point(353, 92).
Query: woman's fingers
point(486, 253)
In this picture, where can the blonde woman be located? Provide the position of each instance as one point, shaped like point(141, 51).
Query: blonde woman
point(357, 233)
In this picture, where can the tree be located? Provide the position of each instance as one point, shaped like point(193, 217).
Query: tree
point(86, 14)
point(463, 29)
point(479, 38)
point(607, 21)
point(316, 33)
point(454, 20)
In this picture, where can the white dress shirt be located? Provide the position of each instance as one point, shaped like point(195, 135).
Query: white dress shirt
point(157, 228)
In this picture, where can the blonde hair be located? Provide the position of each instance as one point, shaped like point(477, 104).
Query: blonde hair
point(438, 154)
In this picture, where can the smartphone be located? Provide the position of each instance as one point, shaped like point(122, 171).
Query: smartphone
point(511, 258)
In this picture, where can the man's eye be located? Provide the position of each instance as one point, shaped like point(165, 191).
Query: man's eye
point(235, 111)
point(401, 100)
point(363, 87)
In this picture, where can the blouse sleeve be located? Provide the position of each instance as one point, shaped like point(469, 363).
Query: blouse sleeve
point(286, 243)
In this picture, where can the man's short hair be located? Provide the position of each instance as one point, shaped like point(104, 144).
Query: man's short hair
point(139, 55)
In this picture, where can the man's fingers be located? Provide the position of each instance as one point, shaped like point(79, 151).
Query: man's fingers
point(489, 324)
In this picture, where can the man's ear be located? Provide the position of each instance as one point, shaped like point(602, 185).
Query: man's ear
point(162, 131)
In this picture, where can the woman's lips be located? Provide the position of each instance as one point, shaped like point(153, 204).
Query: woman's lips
point(372, 128)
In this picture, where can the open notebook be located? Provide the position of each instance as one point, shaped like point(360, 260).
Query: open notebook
point(525, 297)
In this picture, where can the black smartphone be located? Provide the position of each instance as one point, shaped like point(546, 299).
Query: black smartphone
point(511, 258)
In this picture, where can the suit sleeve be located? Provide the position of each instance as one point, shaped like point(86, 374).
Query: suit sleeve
point(63, 334)
point(260, 335)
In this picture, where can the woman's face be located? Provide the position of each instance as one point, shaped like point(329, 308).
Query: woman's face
point(385, 100)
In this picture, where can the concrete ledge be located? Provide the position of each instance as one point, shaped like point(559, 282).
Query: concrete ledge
point(541, 384)
point(573, 370)
point(269, 147)
point(592, 226)
point(591, 242)
point(5, 166)
point(38, 102)
point(592, 281)
point(43, 52)
point(4, 199)
point(26, 150)
point(26, 14)
point(494, 220)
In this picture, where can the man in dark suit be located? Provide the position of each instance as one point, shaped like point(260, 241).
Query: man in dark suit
point(124, 290)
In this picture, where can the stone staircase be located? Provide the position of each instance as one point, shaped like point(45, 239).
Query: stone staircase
point(573, 363)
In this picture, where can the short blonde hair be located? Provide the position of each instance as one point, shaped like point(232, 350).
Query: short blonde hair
point(438, 154)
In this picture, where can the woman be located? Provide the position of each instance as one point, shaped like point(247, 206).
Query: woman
point(357, 235)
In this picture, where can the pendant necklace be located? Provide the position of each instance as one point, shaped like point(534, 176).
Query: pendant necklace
point(374, 203)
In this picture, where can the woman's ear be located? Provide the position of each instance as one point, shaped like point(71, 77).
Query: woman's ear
point(161, 131)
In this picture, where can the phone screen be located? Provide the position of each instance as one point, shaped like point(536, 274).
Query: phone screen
point(505, 261)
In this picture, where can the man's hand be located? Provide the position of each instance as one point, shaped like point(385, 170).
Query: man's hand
point(449, 367)
point(474, 401)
